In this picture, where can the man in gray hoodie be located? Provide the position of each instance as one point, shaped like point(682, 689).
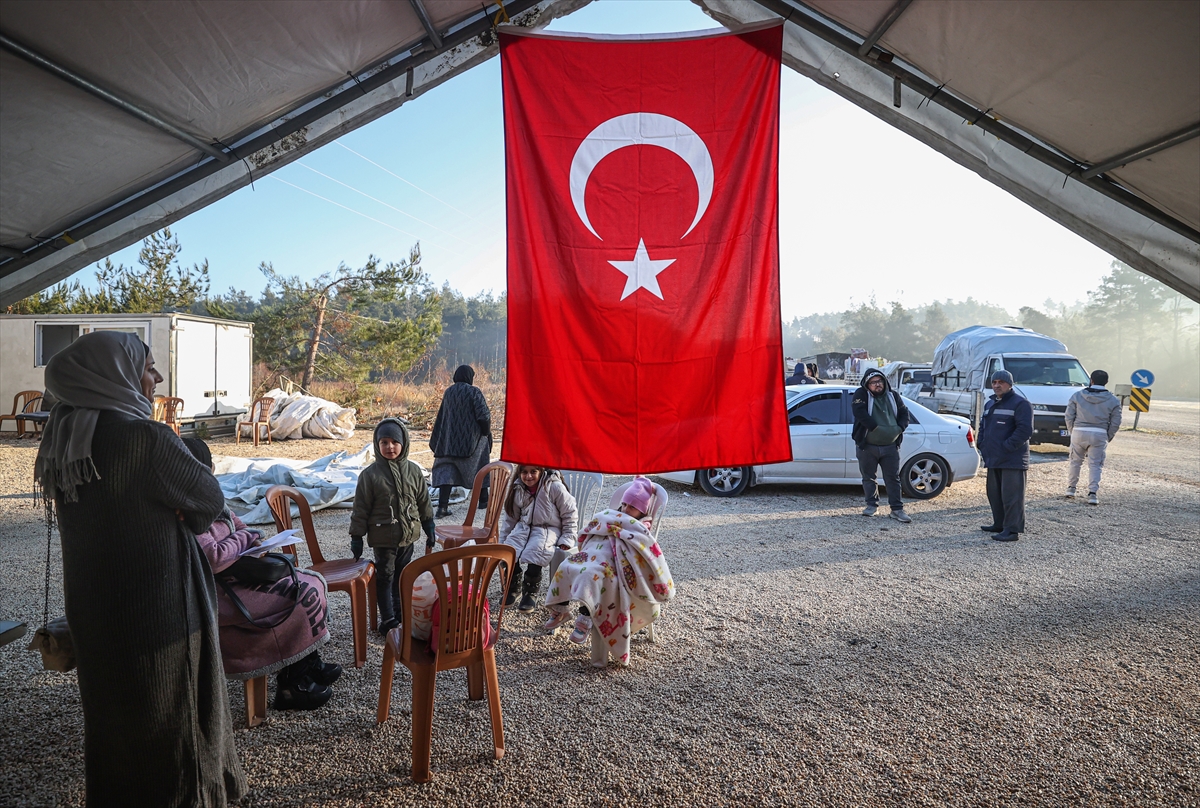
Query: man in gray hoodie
point(1093, 418)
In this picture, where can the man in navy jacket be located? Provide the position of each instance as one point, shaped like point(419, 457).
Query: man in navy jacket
point(1004, 444)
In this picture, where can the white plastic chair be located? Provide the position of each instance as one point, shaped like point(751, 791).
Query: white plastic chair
point(584, 486)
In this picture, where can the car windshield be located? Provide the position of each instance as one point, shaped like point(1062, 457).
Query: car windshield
point(1046, 370)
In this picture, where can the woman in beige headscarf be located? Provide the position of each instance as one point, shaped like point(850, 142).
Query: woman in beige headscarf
point(140, 598)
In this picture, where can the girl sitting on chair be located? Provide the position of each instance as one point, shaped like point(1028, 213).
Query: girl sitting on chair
point(539, 514)
point(618, 574)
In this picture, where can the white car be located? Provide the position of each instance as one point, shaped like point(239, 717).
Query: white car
point(937, 449)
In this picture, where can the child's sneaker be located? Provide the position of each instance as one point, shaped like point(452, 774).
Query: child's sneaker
point(583, 627)
point(1070, 493)
point(1093, 499)
point(556, 620)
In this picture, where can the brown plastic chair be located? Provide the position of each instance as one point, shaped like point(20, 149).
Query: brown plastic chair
point(354, 577)
point(20, 401)
point(256, 701)
point(167, 410)
point(450, 536)
point(462, 576)
point(259, 421)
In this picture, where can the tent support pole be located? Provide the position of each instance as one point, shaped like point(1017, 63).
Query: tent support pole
point(887, 22)
point(423, 15)
point(1145, 150)
point(129, 108)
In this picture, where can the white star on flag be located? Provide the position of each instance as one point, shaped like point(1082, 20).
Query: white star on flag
point(642, 273)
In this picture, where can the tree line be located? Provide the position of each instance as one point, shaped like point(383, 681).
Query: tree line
point(388, 321)
point(384, 320)
point(1130, 321)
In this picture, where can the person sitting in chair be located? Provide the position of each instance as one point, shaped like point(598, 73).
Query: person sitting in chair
point(618, 574)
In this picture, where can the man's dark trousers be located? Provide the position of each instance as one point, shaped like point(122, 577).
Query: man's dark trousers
point(389, 563)
point(886, 459)
point(1006, 495)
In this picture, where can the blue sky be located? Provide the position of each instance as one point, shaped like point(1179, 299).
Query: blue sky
point(865, 211)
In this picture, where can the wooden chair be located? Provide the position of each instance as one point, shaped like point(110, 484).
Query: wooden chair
point(462, 576)
point(456, 535)
point(584, 486)
point(256, 701)
point(20, 402)
point(167, 409)
point(354, 577)
point(32, 414)
point(259, 421)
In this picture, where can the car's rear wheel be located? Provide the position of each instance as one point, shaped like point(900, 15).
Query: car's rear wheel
point(724, 482)
point(924, 476)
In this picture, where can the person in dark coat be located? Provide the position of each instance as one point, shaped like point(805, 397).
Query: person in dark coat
point(812, 372)
point(283, 623)
point(140, 597)
point(800, 376)
point(880, 418)
point(1003, 443)
point(461, 439)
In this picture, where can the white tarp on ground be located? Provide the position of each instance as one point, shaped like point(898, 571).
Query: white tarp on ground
point(328, 482)
point(967, 350)
point(300, 416)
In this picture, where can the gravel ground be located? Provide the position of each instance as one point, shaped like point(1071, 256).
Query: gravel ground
point(812, 657)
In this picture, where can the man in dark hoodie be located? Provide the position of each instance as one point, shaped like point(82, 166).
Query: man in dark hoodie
point(800, 376)
point(391, 508)
point(880, 419)
point(1093, 418)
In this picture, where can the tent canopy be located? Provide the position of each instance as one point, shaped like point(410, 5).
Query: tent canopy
point(122, 116)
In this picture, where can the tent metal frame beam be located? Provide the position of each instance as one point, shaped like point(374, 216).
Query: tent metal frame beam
point(423, 16)
point(109, 97)
point(419, 53)
point(1143, 151)
point(887, 22)
point(814, 22)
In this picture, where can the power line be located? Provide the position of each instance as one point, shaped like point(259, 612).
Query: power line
point(397, 176)
point(373, 199)
point(359, 213)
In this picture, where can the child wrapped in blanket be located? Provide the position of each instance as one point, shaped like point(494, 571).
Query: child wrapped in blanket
point(618, 574)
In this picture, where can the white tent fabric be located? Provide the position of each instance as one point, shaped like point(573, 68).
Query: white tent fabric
point(1088, 80)
point(297, 416)
point(261, 83)
point(967, 350)
point(326, 483)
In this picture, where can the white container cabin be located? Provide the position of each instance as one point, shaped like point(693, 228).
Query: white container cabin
point(205, 361)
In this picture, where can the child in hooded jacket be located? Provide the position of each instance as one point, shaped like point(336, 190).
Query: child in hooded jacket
point(539, 514)
point(391, 508)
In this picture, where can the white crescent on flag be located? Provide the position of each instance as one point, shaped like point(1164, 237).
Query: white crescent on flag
point(646, 129)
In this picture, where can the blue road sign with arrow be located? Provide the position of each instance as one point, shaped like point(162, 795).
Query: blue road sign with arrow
point(1142, 378)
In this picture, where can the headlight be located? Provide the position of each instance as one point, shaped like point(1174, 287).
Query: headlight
point(1041, 408)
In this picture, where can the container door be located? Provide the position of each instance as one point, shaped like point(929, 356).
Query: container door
point(195, 365)
point(234, 358)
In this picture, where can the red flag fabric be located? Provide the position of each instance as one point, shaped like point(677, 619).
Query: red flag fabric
point(644, 330)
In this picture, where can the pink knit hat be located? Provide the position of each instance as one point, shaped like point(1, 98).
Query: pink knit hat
point(638, 494)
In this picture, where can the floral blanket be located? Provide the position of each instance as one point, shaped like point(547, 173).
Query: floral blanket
point(620, 574)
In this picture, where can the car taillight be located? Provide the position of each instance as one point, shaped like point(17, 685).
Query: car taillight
point(970, 438)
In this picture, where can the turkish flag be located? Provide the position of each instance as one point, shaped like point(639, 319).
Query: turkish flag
point(644, 332)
